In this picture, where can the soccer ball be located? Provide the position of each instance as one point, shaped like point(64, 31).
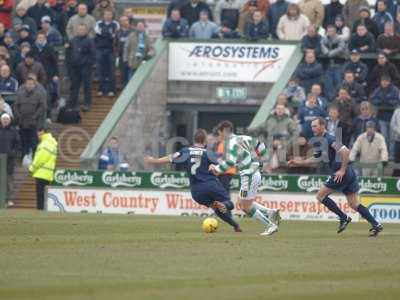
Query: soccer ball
point(210, 225)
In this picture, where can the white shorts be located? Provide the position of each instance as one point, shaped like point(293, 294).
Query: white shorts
point(249, 186)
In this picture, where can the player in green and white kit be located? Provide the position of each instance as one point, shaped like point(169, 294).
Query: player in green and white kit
point(245, 153)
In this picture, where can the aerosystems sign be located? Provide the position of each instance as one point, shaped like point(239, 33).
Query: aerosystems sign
point(227, 62)
point(180, 203)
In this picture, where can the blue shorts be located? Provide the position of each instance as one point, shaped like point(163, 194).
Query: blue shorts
point(348, 185)
point(205, 193)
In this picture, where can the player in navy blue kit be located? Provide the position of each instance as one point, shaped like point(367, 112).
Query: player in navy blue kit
point(343, 178)
point(205, 187)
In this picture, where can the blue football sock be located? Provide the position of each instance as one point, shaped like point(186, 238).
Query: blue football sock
point(227, 217)
point(332, 206)
point(364, 212)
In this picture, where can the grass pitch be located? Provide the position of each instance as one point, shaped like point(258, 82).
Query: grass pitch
point(55, 256)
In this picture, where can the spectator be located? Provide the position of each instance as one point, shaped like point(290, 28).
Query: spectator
point(83, 53)
point(313, 10)
point(122, 36)
point(351, 10)
point(365, 19)
point(227, 12)
point(12, 49)
point(386, 99)
point(347, 111)
point(59, 21)
point(112, 158)
point(389, 41)
point(47, 56)
point(275, 12)
point(381, 16)
point(44, 164)
point(362, 40)
point(227, 33)
point(308, 113)
point(29, 111)
point(294, 92)
point(333, 48)
point(191, 11)
point(21, 18)
point(331, 11)
point(355, 65)
point(137, 48)
point(81, 18)
point(24, 35)
point(53, 36)
point(249, 7)
point(395, 131)
point(174, 4)
point(5, 108)
point(336, 127)
point(6, 8)
point(282, 99)
point(101, 7)
point(38, 11)
point(309, 72)
point(312, 40)
point(30, 65)
point(300, 149)
point(355, 90)
point(204, 28)
point(280, 123)
point(106, 31)
point(316, 90)
point(359, 124)
point(71, 8)
point(257, 28)
point(175, 26)
point(9, 142)
point(342, 30)
point(2, 33)
point(371, 147)
point(293, 25)
point(8, 84)
point(383, 67)
point(277, 157)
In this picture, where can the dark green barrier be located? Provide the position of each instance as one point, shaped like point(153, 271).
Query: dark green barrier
point(179, 180)
point(3, 180)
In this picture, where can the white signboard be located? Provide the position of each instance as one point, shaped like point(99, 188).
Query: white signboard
point(180, 203)
point(227, 62)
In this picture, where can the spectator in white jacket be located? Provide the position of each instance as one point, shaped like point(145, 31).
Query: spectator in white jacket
point(372, 148)
point(395, 132)
point(293, 25)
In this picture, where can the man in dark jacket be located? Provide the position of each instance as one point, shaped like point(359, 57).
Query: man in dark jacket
point(355, 65)
point(30, 65)
point(9, 142)
point(309, 71)
point(121, 38)
point(362, 40)
point(257, 28)
point(106, 31)
point(275, 12)
point(29, 111)
point(332, 10)
point(21, 18)
point(365, 19)
point(312, 40)
point(383, 67)
point(389, 41)
point(175, 26)
point(38, 11)
point(191, 11)
point(82, 56)
point(8, 84)
point(355, 90)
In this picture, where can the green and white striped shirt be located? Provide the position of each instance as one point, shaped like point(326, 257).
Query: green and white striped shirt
point(243, 152)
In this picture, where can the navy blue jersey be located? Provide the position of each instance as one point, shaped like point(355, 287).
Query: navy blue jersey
point(196, 161)
point(326, 147)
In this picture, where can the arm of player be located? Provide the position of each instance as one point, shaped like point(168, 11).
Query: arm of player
point(158, 161)
point(224, 165)
point(298, 162)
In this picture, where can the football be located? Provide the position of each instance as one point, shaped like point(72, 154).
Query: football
point(210, 225)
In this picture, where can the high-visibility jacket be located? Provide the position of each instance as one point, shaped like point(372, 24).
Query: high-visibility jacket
point(221, 151)
point(44, 162)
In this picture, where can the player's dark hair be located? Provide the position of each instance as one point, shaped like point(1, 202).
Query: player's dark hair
point(225, 125)
point(200, 136)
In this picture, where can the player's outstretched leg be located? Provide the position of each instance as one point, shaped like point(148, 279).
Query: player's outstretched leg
point(223, 211)
point(365, 213)
point(253, 212)
point(272, 214)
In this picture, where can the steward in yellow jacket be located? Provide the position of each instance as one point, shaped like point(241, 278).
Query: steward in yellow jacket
point(44, 164)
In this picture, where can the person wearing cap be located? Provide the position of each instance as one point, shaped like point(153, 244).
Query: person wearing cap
point(275, 12)
point(257, 28)
point(175, 26)
point(312, 40)
point(383, 67)
point(38, 11)
point(381, 16)
point(365, 19)
point(362, 40)
point(24, 35)
point(53, 36)
point(30, 65)
point(293, 25)
point(247, 10)
point(21, 18)
point(81, 18)
point(342, 30)
point(191, 11)
point(395, 131)
point(332, 10)
point(227, 12)
point(389, 41)
point(8, 84)
point(372, 149)
point(204, 28)
point(44, 163)
point(313, 10)
point(359, 69)
point(9, 142)
point(351, 10)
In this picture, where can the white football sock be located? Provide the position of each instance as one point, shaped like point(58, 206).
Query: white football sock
point(263, 208)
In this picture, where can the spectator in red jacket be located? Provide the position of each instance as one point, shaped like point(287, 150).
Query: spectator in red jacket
point(6, 8)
